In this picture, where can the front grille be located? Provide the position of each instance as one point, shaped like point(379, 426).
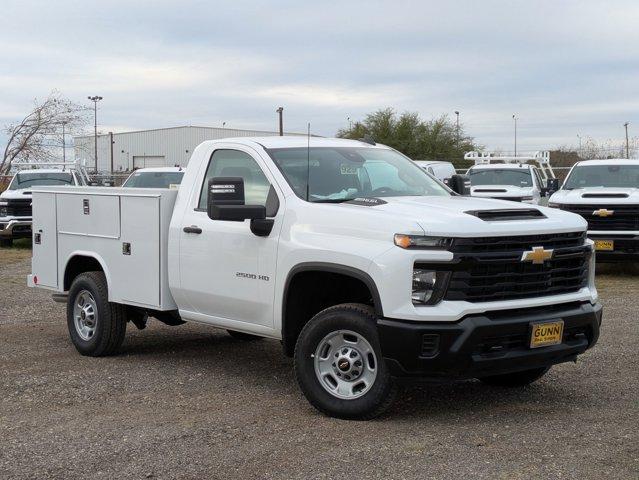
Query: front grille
point(490, 269)
point(625, 217)
point(19, 208)
point(506, 244)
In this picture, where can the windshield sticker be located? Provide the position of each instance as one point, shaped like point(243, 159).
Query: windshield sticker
point(348, 169)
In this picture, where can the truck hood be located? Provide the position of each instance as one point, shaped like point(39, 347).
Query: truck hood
point(15, 194)
point(455, 216)
point(596, 195)
point(501, 191)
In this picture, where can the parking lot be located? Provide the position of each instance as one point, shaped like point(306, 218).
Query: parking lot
point(191, 402)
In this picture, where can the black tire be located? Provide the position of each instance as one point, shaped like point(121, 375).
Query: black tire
point(110, 326)
point(357, 318)
point(245, 337)
point(516, 379)
point(6, 242)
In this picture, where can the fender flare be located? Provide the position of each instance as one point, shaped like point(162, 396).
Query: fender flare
point(353, 272)
point(93, 255)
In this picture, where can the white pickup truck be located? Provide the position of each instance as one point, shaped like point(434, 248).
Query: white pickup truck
point(606, 194)
point(15, 201)
point(364, 266)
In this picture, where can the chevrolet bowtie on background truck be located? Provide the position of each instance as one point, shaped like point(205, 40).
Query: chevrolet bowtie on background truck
point(363, 265)
point(606, 194)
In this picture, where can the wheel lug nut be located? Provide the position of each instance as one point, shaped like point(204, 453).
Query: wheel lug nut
point(353, 354)
point(358, 363)
point(345, 351)
point(355, 373)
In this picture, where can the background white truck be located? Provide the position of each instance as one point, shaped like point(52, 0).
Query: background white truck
point(365, 267)
point(606, 194)
point(523, 178)
point(15, 201)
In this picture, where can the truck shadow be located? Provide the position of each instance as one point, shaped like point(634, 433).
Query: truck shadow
point(214, 354)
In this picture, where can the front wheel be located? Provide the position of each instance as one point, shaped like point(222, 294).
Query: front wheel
point(339, 366)
point(516, 379)
point(96, 326)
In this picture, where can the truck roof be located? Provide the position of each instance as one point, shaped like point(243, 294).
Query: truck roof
point(609, 161)
point(432, 162)
point(159, 169)
point(297, 142)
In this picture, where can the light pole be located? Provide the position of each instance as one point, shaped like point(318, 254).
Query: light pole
point(515, 119)
point(350, 123)
point(279, 111)
point(627, 146)
point(64, 142)
point(95, 99)
point(457, 127)
point(579, 137)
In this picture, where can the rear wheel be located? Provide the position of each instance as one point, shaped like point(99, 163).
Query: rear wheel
point(96, 326)
point(339, 366)
point(516, 379)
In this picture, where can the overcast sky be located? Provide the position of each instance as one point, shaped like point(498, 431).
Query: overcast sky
point(564, 67)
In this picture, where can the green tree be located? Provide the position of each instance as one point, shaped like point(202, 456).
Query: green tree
point(436, 139)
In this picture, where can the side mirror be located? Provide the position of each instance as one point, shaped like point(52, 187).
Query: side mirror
point(460, 184)
point(552, 185)
point(226, 202)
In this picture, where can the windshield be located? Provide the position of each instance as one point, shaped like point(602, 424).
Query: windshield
point(621, 176)
point(30, 179)
point(153, 179)
point(494, 176)
point(339, 174)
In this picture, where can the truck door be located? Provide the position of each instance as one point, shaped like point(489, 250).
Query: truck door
point(226, 272)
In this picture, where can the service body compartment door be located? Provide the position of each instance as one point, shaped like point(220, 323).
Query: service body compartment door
point(139, 258)
point(44, 262)
point(91, 214)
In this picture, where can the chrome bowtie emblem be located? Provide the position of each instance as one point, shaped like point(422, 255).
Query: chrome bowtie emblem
point(538, 255)
point(603, 212)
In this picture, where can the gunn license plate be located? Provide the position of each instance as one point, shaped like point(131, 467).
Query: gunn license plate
point(548, 333)
point(605, 245)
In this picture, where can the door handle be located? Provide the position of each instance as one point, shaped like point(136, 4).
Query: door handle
point(192, 229)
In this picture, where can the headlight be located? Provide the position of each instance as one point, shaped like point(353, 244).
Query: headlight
point(420, 241)
point(554, 205)
point(526, 199)
point(3, 210)
point(429, 286)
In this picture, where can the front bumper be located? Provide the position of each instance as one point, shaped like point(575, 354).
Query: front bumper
point(15, 228)
point(485, 344)
point(626, 247)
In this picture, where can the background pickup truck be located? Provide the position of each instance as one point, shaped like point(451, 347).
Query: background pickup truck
point(606, 194)
point(364, 266)
point(15, 201)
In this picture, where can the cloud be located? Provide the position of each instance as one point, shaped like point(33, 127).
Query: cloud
point(563, 67)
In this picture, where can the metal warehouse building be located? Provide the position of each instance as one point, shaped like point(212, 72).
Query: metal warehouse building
point(119, 152)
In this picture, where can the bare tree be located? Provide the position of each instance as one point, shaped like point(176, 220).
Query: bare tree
point(38, 136)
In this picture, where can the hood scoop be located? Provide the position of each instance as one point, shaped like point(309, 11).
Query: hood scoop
point(604, 195)
point(491, 190)
point(505, 215)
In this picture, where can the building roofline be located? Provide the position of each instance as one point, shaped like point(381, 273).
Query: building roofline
point(188, 126)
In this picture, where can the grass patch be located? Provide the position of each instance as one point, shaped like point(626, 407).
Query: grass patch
point(20, 250)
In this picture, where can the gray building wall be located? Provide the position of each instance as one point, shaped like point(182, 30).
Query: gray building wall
point(173, 145)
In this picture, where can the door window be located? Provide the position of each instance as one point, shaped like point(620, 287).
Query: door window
point(233, 163)
point(540, 181)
